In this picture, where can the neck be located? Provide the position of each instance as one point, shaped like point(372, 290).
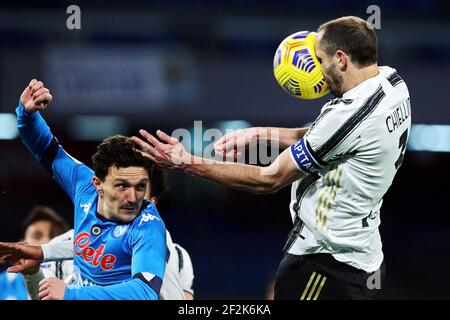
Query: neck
point(360, 75)
point(102, 209)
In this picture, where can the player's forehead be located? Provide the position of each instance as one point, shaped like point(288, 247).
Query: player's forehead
point(130, 174)
point(317, 47)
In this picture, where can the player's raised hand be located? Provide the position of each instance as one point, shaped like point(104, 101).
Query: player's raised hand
point(168, 152)
point(35, 96)
point(25, 258)
point(51, 289)
point(232, 145)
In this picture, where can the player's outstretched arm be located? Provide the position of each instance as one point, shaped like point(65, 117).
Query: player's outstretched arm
point(135, 289)
point(171, 154)
point(33, 130)
point(37, 137)
point(231, 145)
point(24, 258)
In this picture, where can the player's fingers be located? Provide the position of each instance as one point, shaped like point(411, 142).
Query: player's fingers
point(147, 155)
point(6, 245)
point(32, 83)
point(42, 283)
point(43, 99)
point(232, 142)
point(150, 138)
point(221, 141)
point(6, 256)
point(37, 86)
point(44, 294)
point(166, 138)
point(142, 144)
point(16, 268)
point(40, 91)
point(4, 252)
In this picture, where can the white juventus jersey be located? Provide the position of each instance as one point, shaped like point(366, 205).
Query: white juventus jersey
point(185, 269)
point(62, 269)
point(350, 155)
point(171, 288)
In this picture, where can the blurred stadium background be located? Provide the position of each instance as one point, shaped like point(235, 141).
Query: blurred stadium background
point(164, 64)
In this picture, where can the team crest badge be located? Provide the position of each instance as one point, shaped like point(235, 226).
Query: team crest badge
point(120, 230)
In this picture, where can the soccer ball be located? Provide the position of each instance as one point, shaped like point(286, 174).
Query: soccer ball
point(297, 69)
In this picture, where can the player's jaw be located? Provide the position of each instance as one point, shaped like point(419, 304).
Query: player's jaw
point(333, 79)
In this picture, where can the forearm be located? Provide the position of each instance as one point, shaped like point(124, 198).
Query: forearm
point(134, 289)
point(33, 131)
point(56, 251)
point(235, 175)
point(32, 283)
point(285, 136)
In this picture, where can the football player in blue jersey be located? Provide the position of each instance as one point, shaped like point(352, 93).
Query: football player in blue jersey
point(120, 239)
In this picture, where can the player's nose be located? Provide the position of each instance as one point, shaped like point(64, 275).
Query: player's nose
point(131, 196)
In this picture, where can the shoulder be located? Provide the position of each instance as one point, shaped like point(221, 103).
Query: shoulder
point(148, 218)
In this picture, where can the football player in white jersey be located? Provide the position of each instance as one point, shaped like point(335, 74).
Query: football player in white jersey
point(340, 168)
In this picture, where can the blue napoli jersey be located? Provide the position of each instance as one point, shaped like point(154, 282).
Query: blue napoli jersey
point(115, 260)
point(12, 286)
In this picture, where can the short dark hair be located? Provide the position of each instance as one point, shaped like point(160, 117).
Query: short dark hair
point(159, 182)
point(352, 35)
point(118, 151)
point(44, 213)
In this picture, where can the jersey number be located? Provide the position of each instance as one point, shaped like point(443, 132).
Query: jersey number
point(402, 145)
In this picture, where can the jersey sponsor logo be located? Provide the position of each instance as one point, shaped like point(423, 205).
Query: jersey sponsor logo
point(93, 256)
point(147, 217)
point(120, 230)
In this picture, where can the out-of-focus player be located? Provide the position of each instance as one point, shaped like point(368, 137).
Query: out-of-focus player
point(340, 169)
point(119, 244)
point(41, 225)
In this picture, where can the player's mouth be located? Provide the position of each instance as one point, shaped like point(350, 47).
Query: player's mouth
point(129, 209)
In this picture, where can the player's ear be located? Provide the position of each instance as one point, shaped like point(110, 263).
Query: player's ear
point(342, 60)
point(154, 200)
point(98, 185)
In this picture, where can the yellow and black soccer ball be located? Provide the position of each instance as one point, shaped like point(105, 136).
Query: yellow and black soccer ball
point(297, 69)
